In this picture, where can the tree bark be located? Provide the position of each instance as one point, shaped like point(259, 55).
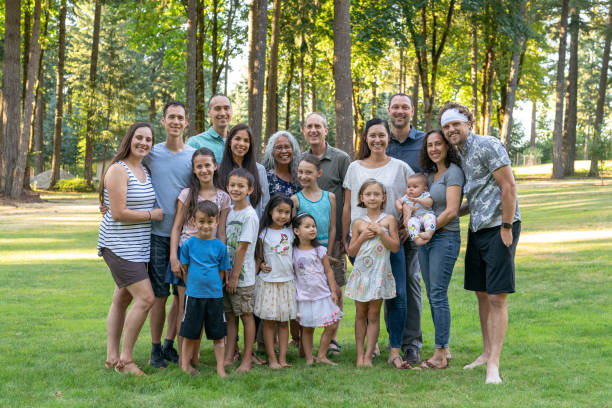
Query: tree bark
point(59, 98)
point(532, 139)
point(272, 85)
point(228, 33)
point(288, 91)
point(214, 47)
point(190, 86)
point(474, 68)
point(571, 120)
point(401, 70)
point(258, 16)
point(11, 92)
point(200, 119)
point(415, 100)
point(489, 98)
point(302, 93)
point(586, 139)
point(342, 76)
point(601, 98)
point(27, 32)
point(373, 102)
point(313, 81)
point(559, 92)
point(506, 130)
point(93, 70)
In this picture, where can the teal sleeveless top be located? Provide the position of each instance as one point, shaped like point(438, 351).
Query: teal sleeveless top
point(320, 211)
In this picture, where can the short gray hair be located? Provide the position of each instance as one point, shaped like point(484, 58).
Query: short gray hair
point(268, 158)
point(319, 115)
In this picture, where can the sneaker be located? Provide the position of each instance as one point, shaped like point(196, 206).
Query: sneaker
point(411, 356)
point(157, 358)
point(170, 354)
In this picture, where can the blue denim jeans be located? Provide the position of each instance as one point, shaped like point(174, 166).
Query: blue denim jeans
point(437, 259)
point(397, 307)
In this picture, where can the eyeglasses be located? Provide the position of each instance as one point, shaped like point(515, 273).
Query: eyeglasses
point(281, 148)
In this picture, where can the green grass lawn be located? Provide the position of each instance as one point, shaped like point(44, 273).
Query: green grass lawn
point(56, 293)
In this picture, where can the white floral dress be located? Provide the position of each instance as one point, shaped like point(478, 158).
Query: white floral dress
point(371, 277)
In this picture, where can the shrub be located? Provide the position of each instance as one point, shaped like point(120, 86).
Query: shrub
point(75, 185)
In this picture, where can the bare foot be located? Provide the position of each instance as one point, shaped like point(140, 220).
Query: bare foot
point(285, 364)
point(359, 362)
point(191, 370)
point(310, 362)
point(244, 366)
point(275, 366)
point(493, 375)
point(227, 363)
point(325, 360)
point(258, 360)
point(481, 360)
point(221, 372)
point(128, 368)
point(367, 362)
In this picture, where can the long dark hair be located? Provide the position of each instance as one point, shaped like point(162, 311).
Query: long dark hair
point(228, 164)
point(194, 183)
point(125, 148)
point(275, 201)
point(297, 221)
point(451, 154)
point(364, 149)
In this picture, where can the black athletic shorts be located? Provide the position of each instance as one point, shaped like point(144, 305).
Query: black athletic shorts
point(203, 312)
point(489, 264)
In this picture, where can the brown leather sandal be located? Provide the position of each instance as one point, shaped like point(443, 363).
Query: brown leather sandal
point(110, 364)
point(120, 367)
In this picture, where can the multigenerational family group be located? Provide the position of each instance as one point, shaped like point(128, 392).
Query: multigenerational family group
point(268, 244)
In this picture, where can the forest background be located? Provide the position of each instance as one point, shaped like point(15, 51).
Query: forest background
point(76, 74)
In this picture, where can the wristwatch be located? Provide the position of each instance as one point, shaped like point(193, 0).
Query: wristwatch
point(506, 225)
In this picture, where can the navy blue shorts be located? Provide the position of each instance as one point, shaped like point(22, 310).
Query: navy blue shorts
point(489, 263)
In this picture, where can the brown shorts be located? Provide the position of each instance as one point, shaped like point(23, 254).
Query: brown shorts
point(240, 302)
point(124, 272)
point(340, 270)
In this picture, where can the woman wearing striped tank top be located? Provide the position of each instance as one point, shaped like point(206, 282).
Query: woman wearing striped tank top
point(124, 243)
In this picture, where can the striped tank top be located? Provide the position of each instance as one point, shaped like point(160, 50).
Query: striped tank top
point(320, 211)
point(129, 240)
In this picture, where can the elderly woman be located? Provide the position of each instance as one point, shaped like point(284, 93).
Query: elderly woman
point(281, 159)
point(124, 243)
point(393, 174)
point(437, 257)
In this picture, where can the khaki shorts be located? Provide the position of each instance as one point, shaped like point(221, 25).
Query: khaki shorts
point(240, 302)
point(340, 270)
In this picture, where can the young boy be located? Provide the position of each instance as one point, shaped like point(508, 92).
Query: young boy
point(239, 298)
point(205, 259)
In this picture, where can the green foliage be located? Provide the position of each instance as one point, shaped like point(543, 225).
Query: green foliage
point(73, 185)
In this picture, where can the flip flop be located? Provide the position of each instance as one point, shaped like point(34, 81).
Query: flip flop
point(403, 365)
point(257, 360)
point(428, 365)
point(110, 364)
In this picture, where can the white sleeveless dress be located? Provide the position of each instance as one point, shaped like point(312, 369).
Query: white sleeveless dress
point(371, 277)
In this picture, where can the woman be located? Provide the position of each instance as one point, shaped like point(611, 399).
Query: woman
point(281, 159)
point(393, 174)
point(437, 257)
point(239, 153)
point(124, 243)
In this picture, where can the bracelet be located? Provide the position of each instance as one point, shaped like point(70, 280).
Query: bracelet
point(149, 215)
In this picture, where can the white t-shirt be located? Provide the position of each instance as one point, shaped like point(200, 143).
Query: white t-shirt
point(242, 226)
point(393, 175)
point(278, 254)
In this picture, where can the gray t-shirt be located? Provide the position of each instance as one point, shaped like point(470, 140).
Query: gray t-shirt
point(170, 173)
point(453, 176)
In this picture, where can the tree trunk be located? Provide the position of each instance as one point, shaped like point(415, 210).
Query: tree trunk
point(342, 76)
point(506, 130)
point(532, 139)
point(192, 46)
point(27, 31)
point(272, 86)
point(313, 82)
point(24, 141)
point(59, 98)
point(489, 98)
point(373, 102)
point(288, 91)
point(415, 100)
point(601, 98)
point(401, 70)
point(93, 69)
point(200, 118)
point(228, 33)
point(11, 92)
point(569, 131)
point(586, 139)
point(559, 92)
point(302, 92)
point(214, 47)
point(474, 68)
point(258, 16)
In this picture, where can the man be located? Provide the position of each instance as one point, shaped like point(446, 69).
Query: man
point(405, 145)
point(220, 115)
point(334, 163)
point(495, 225)
point(170, 164)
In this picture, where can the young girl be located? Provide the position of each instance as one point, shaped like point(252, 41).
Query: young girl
point(202, 186)
point(275, 288)
point(316, 288)
point(371, 281)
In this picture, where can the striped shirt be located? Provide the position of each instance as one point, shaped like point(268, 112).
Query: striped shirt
point(129, 240)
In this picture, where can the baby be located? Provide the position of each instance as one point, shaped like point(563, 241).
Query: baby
point(415, 207)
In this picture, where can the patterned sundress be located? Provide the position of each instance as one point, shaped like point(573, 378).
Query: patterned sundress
point(371, 277)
